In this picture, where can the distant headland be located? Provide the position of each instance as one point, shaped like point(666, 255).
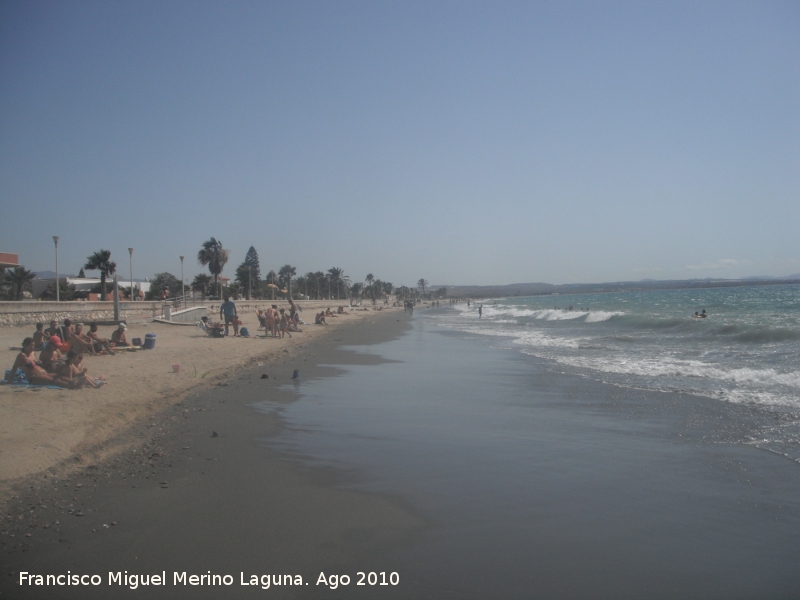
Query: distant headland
point(543, 289)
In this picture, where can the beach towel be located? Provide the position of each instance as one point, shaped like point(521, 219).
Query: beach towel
point(19, 380)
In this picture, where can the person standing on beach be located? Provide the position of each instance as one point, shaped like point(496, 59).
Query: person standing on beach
point(228, 310)
point(480, 311)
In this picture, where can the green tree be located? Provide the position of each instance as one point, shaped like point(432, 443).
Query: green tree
point(251, 260)
point(200, 283)
point(101, 261)
point(20, 279)
point(213, 256)
point(66, 292)
point(246, 278)
point(234, 290)
point(422, 283)
point(164, 282)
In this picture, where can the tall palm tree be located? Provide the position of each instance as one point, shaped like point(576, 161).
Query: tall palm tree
point(19, 277)
point(285, 273)
point(101, 261)
point(339, 279)
point(320, 278)
point(214, 256)
point(422, 283)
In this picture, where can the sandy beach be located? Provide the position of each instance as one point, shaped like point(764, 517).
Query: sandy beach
point(44, 430)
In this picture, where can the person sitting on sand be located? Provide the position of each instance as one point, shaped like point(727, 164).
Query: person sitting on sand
point(320, 319)
point(293, 324)
point(118, 337)
point(100, 344)
point(39, 337)
point(342, 311)
point(68, 330)
point(54, 329)
point(328, 312)
point(51, 355)
point(33, 369)
point(80, 342)
point(72, 370)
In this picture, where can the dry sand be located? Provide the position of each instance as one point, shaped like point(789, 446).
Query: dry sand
point(45, 429)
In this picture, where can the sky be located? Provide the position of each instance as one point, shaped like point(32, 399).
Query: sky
point(463, 142)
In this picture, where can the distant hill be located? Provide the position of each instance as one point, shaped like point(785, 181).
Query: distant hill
point(50, 275)
point(541, 289)
point(769, 277)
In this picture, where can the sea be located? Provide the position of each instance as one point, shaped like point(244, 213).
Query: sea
point(586, 446)
point(745, 352)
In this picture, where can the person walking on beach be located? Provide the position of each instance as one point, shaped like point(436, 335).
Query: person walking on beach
point(228, 310)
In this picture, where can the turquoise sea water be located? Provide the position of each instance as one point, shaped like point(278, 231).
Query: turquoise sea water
point(747, 352)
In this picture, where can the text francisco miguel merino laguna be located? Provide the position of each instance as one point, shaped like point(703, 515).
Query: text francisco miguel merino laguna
point(133, 581)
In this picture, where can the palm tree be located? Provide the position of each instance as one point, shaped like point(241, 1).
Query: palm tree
point(285, 273)
point(214, 256)
point(422, 283)
point(334, 274)
point(101, 261)
point(388, 288)
point(320, 277)
point(19, 277)
point(310, 277)
point(338, 277)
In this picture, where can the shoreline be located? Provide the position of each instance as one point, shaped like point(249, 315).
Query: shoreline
point(44, 431)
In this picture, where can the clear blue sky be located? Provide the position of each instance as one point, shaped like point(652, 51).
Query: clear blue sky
point(462, 142)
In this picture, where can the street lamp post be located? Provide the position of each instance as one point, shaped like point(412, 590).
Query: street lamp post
point(130, 257)
point(58, 292)
point(183, 293)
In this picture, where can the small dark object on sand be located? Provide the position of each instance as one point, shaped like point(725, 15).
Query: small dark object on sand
point(296, 374)
point(264, 376)
point(214, 434)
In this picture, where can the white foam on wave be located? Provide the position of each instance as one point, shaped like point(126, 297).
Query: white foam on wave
point(546, 314)
point(598, 316)
point(659, 366)
point(525, 338)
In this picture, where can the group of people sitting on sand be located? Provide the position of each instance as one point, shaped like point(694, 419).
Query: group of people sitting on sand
point(319, 319)
point(61, 350)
